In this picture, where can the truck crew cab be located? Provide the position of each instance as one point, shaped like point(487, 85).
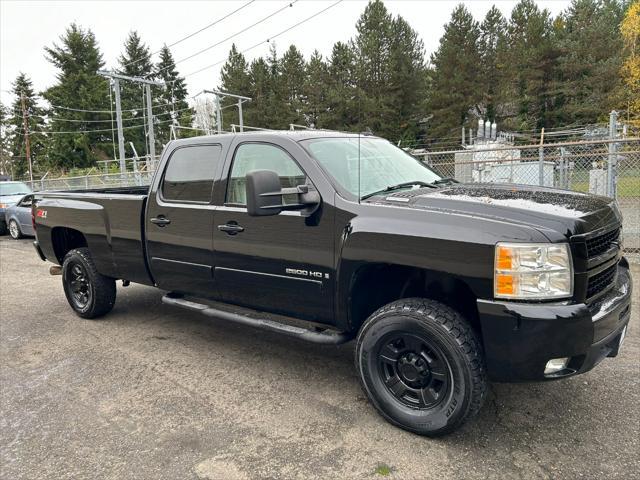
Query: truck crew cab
point(329, 237)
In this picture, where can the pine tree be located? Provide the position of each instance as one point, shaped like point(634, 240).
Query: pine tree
point(292, 81)
point(170, 100)
point(590, 59)
point(493, 50)
point(135, 61)
point(342, 97)
point(235, 79)
point(258, 113)
point(455, 78)
point(315, 91)
point(532, 66)
point(5, 150)
point(407, 82)
point(23, 87)
point(372, 47)
point(78, 89)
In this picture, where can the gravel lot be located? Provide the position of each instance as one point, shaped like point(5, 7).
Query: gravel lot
point(156, 392)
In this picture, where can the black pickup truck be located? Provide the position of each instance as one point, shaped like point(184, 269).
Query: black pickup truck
point(329, 237)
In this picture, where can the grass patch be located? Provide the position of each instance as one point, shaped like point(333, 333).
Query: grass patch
point(384, 470)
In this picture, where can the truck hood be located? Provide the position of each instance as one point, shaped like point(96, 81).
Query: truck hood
point(11, 199)
point(565, 212)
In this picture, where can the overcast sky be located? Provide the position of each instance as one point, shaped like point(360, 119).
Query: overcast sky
point(27, 26)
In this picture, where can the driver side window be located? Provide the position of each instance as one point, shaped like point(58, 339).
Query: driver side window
point(262, 156)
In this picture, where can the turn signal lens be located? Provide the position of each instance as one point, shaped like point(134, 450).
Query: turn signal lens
point(526, 271)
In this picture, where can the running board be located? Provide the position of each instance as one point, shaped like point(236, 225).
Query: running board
point(263, 324)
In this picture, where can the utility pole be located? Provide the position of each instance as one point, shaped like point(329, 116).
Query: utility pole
point(116, 77)
point(116, 87)
point(152, 138)
point(27, 144)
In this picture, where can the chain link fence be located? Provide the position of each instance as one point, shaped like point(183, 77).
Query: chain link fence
point(601, 167)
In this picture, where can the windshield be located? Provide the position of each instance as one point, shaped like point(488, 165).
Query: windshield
point(14, 188)
point(381, 164)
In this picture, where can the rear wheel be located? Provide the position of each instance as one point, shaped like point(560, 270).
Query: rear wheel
point(421, 366)
point(14, 230)
point(89, 293)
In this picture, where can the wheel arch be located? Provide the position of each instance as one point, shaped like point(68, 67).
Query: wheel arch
point(374, 285)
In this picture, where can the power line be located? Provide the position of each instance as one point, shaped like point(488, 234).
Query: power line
point(75, 120)
point(269, 38)
point(101, 130)
point(288, 5)
point(194, 33)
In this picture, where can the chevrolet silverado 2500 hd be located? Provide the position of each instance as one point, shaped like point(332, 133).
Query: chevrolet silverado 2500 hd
point(329, 237)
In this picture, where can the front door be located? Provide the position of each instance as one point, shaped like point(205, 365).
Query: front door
point(179, 221)
point(280, 263)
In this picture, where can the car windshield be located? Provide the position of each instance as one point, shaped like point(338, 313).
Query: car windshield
point(14, 188)
point(366, 165)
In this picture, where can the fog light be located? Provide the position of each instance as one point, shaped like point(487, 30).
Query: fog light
point(555, 365)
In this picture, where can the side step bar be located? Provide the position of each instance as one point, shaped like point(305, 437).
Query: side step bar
point(264, 324)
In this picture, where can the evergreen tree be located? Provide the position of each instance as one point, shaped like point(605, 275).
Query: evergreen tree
point(292, 81)
point(493, 50)
point(258, 113)
point(315, 91)
point(532, 66)
point(77, 91)
point(23, 87)
point(455, 78)
point(135, 61)
point(407, 82)
point(342, 97)
point(170, 100)
point(590, 59)
point(235, 79)
point(5, 150)
point(372, 46)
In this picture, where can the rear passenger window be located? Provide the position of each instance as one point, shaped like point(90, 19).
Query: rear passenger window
point(189, 175)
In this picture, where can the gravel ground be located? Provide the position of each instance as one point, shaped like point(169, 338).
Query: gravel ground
point(155, 392)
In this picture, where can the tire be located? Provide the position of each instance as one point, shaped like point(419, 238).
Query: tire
point(421, 365)
point(14, 230)
point(89, 293)
point(3, 228)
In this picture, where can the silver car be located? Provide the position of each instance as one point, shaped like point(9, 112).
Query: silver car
point(18, 217)
point(10, 194)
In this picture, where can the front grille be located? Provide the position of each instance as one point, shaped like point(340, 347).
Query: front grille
point(600, 244)
point(602, 280)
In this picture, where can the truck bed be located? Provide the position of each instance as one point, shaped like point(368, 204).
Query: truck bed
point(109, 219)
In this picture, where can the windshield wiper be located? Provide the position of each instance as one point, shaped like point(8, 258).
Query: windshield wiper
point(397, 187)
point(445, 181)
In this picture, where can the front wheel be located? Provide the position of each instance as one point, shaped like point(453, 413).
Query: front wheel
point(421, 366)
point(14, 230)
point(89, 293)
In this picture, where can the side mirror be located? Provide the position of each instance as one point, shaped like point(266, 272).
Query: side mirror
point(259, 183)
point(264, 195)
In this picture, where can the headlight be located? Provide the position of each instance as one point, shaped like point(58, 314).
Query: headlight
point(4, 205)
point(531, 271)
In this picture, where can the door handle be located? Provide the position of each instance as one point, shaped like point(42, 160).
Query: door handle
point(231, 228)
point(160, 220)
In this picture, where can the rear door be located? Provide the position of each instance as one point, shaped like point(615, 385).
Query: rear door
point(179, 220)
point(280, 263)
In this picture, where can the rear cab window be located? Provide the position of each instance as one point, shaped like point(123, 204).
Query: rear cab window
point(189, 174)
